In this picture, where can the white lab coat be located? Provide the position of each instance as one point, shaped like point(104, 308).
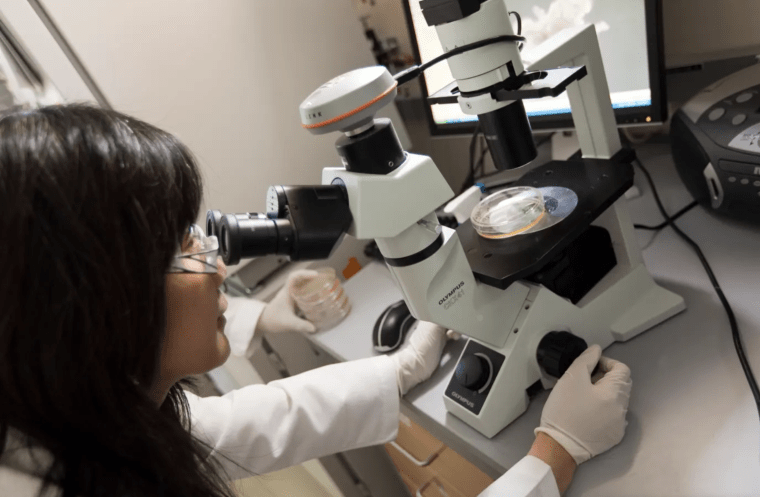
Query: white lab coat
point(261, 428)
point(320, 411)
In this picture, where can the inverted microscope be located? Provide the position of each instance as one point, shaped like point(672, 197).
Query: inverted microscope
point(530, 300)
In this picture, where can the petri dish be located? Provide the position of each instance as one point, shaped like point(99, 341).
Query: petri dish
point(322, 299)
point(508, 212)
point(315, 290)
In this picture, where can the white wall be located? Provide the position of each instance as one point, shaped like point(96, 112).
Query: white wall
point(226, 76)
point(26, 27)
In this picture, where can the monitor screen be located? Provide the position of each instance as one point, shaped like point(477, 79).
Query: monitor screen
point(629, 38)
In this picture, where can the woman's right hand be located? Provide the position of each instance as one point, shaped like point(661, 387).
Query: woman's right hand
point(588, 418)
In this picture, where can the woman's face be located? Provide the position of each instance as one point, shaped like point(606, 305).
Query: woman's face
point(195, 341)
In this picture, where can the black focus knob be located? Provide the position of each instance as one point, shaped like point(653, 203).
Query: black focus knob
point(472, 372)
point(557, 351)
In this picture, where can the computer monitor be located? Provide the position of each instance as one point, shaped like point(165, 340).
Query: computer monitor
point(631, 41)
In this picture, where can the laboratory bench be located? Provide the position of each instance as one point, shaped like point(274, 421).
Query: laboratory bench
point(693, 427)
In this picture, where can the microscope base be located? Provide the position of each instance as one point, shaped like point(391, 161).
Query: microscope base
point(628, 306)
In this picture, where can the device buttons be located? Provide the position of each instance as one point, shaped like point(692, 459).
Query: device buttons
point(744, 97)
point(732, 179)
point(716, 114)
point(738, 119)
point(756, 183)
point(745, 181)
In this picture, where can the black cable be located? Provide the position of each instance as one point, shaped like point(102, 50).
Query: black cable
point(665, 223)
point(519, 26)
point(731, 318)
point(469, 47)
point(469, 180)
point(519, 22)
point(481, 163)
point(414, 71)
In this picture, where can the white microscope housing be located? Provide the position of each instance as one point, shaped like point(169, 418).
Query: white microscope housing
point(519, 299)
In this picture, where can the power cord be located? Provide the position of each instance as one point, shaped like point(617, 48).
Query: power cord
point(665, 223)
point(669, 221)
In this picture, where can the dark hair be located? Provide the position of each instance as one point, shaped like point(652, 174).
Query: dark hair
point(93, 205)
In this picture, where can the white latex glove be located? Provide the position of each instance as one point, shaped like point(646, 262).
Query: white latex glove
point(588, 418)
point(420, 355)
point(280, 313)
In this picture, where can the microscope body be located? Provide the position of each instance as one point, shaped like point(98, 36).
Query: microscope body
point(523, 332)
point(515, 334)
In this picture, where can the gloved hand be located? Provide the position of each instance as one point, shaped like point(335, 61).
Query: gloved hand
point(420, 355)
point(280, 313)
point(588, 418)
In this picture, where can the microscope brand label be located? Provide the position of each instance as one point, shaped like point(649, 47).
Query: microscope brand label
point(452, 293)
point(462, 399)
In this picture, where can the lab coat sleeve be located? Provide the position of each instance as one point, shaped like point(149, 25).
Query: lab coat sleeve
point(242, 317)
point(531, 477)
point(327, 410)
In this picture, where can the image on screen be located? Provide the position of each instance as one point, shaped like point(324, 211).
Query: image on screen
point(620, 26)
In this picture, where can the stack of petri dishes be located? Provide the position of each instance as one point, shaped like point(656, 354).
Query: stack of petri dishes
point(322, 299)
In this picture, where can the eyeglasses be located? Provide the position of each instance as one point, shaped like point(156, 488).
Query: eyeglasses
point(199, 257)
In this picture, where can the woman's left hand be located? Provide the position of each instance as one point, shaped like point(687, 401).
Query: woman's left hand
point(419, 357)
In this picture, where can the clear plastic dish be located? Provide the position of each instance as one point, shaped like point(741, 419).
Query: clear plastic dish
point(322, 299)
point(508, 212)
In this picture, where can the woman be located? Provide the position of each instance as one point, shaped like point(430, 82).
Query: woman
point(110, 298)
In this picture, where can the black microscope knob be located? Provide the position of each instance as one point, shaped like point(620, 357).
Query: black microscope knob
point(557, 351)
point(472, 372)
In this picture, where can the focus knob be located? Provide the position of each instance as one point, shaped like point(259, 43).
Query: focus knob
point(473, 372)
point(557, 351)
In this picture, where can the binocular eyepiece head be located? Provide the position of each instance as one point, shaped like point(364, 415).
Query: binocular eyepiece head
point(302, 222)
point(249, 234)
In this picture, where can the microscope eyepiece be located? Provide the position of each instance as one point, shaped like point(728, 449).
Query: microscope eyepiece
point(317, 219)
point(253, 235)
point(230, 252)
point(214, 223)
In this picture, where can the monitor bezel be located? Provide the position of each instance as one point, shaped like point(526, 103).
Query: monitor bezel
point(630, 116)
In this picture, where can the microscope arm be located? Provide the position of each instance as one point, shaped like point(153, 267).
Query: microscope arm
point(590, 102)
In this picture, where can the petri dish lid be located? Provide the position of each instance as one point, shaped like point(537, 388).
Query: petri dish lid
point(315, 289)
point(508, 212)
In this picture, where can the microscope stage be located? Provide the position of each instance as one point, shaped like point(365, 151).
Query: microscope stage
point(598, 184)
